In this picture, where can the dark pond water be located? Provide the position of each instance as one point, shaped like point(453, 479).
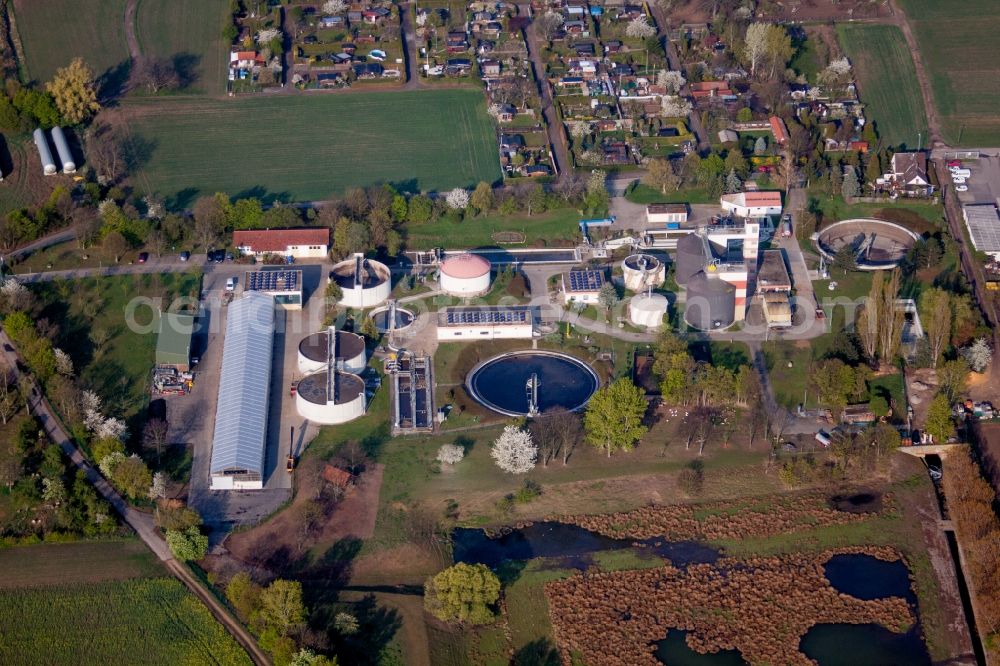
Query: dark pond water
point(866, 577)
point(574, 543)
point(863, 645)
point(674, 650)
point(563, 382)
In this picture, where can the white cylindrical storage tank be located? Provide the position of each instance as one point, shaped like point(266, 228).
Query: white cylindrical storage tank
point(44, 152)
point(642, 271)
point(62, 147)
point(465, 275)
point(365, 283)
point(350, 351)
point(647, 310)
point(314, 401)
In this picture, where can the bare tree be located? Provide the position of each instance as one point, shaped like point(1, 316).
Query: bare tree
point(353, 456)
point(154, 436)
point(106, 151)
point(156, 242)
point(157, 74)
point(556, 432)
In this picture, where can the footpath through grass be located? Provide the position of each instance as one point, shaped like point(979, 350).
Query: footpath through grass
point(960, 51)
point(53, 32)
point(153, 621)
point(887, 81)
point(311, 147)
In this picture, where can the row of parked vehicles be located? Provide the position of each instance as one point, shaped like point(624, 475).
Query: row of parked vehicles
point(959, 175)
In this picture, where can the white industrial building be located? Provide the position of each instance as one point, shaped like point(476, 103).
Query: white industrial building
point(665, 213)
point(240, 438)
point(364, 283)
point(301, 243)
point(465, 275)
point(582, 286)
point(349, 350)
point(486, 323)
point(983, 222)
point(752, 204)
point(284, 286)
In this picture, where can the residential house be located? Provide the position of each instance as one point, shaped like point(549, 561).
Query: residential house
point(536, 171)
point(457, 66)
point(328, 79)
point(457, 42)
point(367, 70)
point(245, 60)
point(354, 16)
point(511, 144)
point(490, 68)
point(630, 12)
point(616, 152)
point(331, 22)
point(909, 175)
point(779, 130)
point(577, 28)
point(612, 47)
point(505, 113)
point(586, 50)
point(712, 90)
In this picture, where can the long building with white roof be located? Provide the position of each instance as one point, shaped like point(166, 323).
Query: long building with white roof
point(240, 438)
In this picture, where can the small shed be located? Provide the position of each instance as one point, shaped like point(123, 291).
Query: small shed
point(173, 342)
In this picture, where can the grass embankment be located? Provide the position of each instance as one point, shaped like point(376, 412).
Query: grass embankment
point(311, 147)
point(553, 228)
point(887, 82)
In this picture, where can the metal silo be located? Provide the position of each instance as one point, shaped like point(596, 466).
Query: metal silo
point(710, 303)
point(44, 152)
point(62, 147)
point(690, 257)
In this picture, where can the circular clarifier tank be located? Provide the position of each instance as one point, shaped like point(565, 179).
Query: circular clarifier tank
point(501, 383)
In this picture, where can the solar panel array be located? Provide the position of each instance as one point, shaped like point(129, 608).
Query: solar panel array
point(273, 281)
point(478, 316)
point(586, 280)
point(984, 227)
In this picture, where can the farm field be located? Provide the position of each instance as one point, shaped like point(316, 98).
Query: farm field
point(887, 82)
point(189, 32)
point(305, 147)
point(55, 564)
point(56, 31)
point(152, 621)
point(960, 52)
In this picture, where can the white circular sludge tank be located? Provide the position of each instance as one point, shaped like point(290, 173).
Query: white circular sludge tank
point(365, 283)
point(315, 401)
point(465, 275)
point(350, 352)
point(647, 310)
point(642, 271)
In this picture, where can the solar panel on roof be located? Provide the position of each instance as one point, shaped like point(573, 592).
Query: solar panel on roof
point(585, 280)
point(456, 317)
point(273, 281)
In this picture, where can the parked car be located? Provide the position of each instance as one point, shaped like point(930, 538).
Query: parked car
point(231, 284)
point(954, 164)
point(143, 257)
point(961, 188)
point(185, 255)
point(958, 180)
point(820, 313)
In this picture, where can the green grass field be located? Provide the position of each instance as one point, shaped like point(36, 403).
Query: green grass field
point(190, 33)
point(551, 228)
point(54, 32)
point(310, 147)
point(55, 564)
point(887, 81)
point(154, 621)
point(960, 51)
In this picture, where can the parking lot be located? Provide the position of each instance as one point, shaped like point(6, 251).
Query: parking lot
point(984, 184)
point(192, 417)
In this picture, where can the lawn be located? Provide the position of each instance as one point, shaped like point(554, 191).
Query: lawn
point(646, 194)
point(887, 82)
point(54, 32)
point(310, 147)
point(962, 56)
point(919, 217)
point(189, 32)
point(55, 564)
point(551, 228)
point(111, 358)
point(154, 621)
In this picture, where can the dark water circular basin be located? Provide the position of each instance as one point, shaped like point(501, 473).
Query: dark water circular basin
point(500, 383)
point(381, 318)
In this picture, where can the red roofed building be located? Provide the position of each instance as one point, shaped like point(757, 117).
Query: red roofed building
point(779, 130)
point(245, 59)
point(703, 89)
point(336, 476)
point(752, 204)
point(299, 243)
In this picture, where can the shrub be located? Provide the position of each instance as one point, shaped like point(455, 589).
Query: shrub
point(529, 491)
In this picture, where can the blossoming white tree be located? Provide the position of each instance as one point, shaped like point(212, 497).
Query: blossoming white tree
point(64, 364)
point(457, 199)
point(673, 81)
point(334, 7)
point(450, 454)
point(267, 34)
point(514, 451)
point(978, 354)
point(674, 106)
point(639, 28)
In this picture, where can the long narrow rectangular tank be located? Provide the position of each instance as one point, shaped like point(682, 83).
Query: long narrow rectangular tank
point(44, 152)
point(62, 147)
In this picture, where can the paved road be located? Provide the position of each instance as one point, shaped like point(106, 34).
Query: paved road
point(406, 26)
point(142, 523)
point(55, 238)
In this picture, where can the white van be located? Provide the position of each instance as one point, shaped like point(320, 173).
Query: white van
point(958, 180)
point(231, 284)
point(961, 173)
point(823, 439)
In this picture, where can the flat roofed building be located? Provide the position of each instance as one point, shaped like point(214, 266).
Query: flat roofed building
point(983, 222)
point(240, 438)
point(486, 323)
point(777, 310)
point(662, 213)
point(582, 286)
point(752, 204)
point(302, 243)
point(284, 286)
point(173, 342)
